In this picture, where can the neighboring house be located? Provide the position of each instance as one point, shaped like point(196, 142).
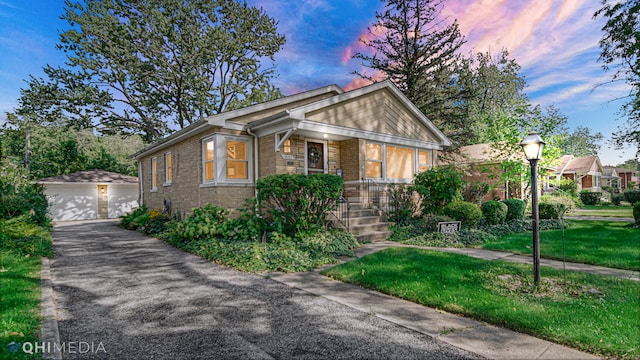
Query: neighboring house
point(483, 163)
point(585, 171)
point(610, 178)
point(372, 133)
point(625, 176)
point(90, 194)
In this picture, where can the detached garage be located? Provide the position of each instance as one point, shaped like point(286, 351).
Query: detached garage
point(90, 194)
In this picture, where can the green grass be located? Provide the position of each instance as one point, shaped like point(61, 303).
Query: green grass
point(19, 302)
point(604, 243)
point(592, 313)
point(620, 211)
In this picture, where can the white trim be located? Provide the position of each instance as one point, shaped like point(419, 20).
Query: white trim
point(220, 159)
point(203, 156)
point(325, 154)
point(154, 174)
point(168, 167)
point(281, 140)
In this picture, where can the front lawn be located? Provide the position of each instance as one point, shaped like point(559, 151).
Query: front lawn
point(592, 313)
point(604, 243)
point(619, 211)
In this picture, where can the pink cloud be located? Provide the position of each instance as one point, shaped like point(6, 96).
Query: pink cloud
point(360, 82)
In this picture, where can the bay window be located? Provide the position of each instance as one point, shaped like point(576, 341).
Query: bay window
point(226, 159)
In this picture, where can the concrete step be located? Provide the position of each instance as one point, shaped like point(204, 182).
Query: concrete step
point(358, 213)
point(373, 236)
point(378, 226)
point(364, 220)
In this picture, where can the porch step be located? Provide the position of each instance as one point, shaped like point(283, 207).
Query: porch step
point(373, 236)
point(371, 227)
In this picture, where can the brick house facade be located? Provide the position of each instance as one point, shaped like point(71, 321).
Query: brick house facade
point(373, 133)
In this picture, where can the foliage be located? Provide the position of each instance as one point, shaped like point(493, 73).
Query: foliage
point(581, 142)
point(616, 199)
point(568, 186)
point(203, 223)
point(403, 203)
point(636, 212)
point(590, 198)
point(494, 212)
point(417, 227)
point(20, 196)
point(464, 238)
point(412, 45)
point(299, 202)
point(22, 237)
point(249, 225)
point(468, 213)
point(570, 203)
point(475, 191)
point(551, 210)
point(134, 64)
point(620, 51)
point(632, 196)
point(437, 187)
point(150, 222)
point(515, 209)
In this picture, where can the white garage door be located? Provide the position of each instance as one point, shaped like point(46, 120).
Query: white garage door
point(122, 199)
point(73, 201)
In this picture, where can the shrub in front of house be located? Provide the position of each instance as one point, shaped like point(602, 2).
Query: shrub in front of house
point(402, 203)
point(150, 222)
point(551, 210)
point(494, 212)
point(636, 212)
point(299, 203)
point(515, 209)
point(417, 226)
point(438, 186)
point(467, 213)
point(632, 196)
point(590, 197)
point(616, 199)
point(475, 191)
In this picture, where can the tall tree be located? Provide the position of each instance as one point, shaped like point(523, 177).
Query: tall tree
point(132, 65)
point(416, 48)
point(620, 47)
point(581, 142)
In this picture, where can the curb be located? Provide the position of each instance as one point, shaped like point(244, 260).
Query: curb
point(49, 332)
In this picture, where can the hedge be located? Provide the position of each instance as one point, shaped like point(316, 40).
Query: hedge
point(515, 209)
point(494, 212)
point(466, 212)
point(551, 210)
point(590, 198)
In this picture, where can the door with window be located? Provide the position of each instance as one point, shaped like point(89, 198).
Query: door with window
point(315, 158)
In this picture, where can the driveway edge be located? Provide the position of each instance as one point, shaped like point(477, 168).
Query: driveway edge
point(49, 333)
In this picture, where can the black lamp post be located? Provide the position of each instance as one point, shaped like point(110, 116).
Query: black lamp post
point(533, 146)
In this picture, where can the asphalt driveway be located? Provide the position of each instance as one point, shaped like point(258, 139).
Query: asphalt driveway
point(123, 295)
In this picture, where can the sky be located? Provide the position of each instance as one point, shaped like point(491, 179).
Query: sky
point(554, 41)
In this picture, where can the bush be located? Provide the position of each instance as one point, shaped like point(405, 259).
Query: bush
point(636, 212)
point(150, 222)
point(551, 210)
point(468, 213)
point(204, 223)
point(475, 191)
point(466, 237)
point(299, 202)
point(402, 203)
point(590, 198)
point(632, 196)
point(417, 227)
point(494, 212)
point(616, 199)
point(21, 236)
point(438, 187)
point(20, 196)
point(515, 209)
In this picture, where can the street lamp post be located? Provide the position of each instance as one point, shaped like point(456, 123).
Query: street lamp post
point(533, 146)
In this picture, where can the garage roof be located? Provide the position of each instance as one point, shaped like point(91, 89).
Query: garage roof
point(91, 176)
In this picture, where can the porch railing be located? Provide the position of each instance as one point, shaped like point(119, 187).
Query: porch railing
point(383, 198)
point(340, 216)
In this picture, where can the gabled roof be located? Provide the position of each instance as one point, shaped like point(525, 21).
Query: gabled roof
point(580, 165)
point(91, 176)
point(484, 154)
point(620, 170)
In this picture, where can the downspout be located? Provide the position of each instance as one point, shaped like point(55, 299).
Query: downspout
point(140, 182)
point(255, 163)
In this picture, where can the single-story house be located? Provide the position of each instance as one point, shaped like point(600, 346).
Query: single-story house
point(610, 178)
point(484, 163)
point(371, 133)
point(585, 171)
point(90, 194)
point(624, 177)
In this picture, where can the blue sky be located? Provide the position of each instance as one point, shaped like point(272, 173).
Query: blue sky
point(555, 42)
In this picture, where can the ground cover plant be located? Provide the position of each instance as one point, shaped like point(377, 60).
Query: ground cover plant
point(597, 314)
point(604, 243)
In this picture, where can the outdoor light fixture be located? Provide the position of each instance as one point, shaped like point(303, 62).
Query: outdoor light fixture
point(533, 146)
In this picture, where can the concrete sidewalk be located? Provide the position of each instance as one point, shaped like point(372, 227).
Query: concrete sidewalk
point(480, 338)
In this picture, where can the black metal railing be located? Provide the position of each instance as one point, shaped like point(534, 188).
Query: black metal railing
point(341, 214)
point(389, 199)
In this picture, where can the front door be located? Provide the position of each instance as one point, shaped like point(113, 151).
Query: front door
point(315, 158)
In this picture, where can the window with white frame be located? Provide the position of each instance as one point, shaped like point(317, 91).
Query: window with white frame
point(168, 167)
point(154, 173)
point(226, 158)
point(394, 162)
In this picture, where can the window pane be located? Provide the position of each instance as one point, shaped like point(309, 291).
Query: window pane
point(374, 169)
point(154, 173)
point(209, 150)
point(423, 157)
point(236, 150)
point(208, 171)
point(374, 152)
point(399, 163)
point(237, 169)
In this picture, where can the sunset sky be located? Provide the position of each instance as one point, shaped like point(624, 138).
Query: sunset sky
point(555, 42)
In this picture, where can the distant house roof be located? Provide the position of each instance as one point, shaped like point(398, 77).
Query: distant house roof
point(91, 176)
point(483, 154)
point(620, 170)
point(581, 166)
